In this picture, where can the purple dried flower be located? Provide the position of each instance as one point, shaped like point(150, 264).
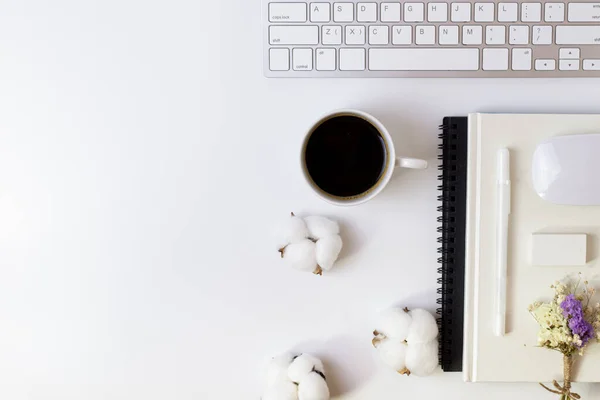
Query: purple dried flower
point(573, 312)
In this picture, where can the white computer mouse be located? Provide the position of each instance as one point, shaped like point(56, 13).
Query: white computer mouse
point(566, 169)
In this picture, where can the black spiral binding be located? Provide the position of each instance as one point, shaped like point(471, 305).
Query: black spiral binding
point(452, 227)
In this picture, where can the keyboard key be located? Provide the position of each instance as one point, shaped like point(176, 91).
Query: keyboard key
point(279, 59)
point(355, 34)
point(325, 59)
point(507, 12)
point(331, 35)
point(390, 12)
point(379, 34)
point(495, 60)
point(472, 34)
point(541, 34)
point(437, 12)
point(299, 34)
point(352, 59)
point(554, 12)
point(440, 59)
point(366, 12)
point(584, 12)
point(545, 64)
point(343, 12)
point(591, 65)
point(448, 35)
point(577, 34)
point(402, 34)
point(320, 12)
point(495, 35)
point(413, 12)
point(521, 59)
point(568, 65)
point(425, 34)
point(567, 53)
point(461, 12)
point(484, 12)
point(287, 12)
point(531, 12)
point(519, 34)
point(302, 59)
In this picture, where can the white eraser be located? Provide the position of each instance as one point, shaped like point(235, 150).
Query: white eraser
point(554, 249)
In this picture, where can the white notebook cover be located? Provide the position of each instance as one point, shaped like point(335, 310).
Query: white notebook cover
point(515, 357)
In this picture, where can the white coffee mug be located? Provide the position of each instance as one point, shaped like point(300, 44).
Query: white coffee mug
point(391, 161)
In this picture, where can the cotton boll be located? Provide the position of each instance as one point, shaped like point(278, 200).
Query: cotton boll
point(395, 323)
point(328, 250)
point(320, 227)
point(278, 367)
point(303, 365)
point(423, 328)
point(313, 387)
point(282, 389)
point(422, 358)
point(293, 230)
point(393, 353)
point(302, 255)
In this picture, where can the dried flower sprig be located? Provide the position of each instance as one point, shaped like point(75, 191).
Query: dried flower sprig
point(568, 324)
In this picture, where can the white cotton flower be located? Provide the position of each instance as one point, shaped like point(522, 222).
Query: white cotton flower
point(422, 358)
point(311, 244)
point(393, 353)
point(282, 389)
point(328, 249)
point(394, 323)
point(302, 366)
point(320, 227)
point(299, 377)
point(313, 387)
point(293, 230)
point(423, 327)
point(278, 367)
point(302, 255)
point(407, 341)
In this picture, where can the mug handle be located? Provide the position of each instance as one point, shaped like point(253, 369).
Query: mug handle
point(413, 163)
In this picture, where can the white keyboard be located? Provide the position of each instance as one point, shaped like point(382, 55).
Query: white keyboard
point(431, 39)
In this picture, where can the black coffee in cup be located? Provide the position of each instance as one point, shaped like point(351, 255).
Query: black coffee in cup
point(345, 156)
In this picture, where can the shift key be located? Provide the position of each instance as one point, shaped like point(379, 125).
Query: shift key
point(294, 34)
point(578, 34)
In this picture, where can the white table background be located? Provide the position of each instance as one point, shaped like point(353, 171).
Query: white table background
point(144, 162)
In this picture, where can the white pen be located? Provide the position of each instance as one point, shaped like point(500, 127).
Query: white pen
point(503, 210)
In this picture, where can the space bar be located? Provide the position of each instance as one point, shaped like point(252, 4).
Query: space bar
point(438, 59)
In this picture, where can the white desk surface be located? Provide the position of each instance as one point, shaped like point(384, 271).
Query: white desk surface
point(144, 161)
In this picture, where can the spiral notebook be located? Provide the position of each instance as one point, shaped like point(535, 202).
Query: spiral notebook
point(452, 221)
point(467, 227)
